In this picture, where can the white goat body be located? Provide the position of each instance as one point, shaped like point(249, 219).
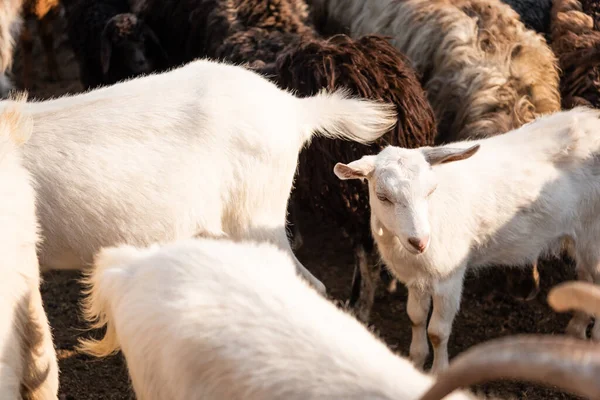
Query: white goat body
point(215, 319)
point(514, 198)
point(192, 151)
point(28, 364)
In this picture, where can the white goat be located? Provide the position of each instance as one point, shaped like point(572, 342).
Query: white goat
point(514, 197)
point(28, 364)
point(192, 151)
point(214, 319)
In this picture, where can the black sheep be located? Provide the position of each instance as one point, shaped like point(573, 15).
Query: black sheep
point(110, 43)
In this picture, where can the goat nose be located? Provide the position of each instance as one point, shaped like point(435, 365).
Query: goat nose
point(420, 244)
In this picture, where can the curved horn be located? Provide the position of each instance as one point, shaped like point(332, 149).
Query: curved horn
point(571, 364)
point(579, 296)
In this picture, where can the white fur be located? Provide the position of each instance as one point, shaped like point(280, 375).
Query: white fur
point(519, 196)
point(213, 319)
point(206, 149)
point(27, 356)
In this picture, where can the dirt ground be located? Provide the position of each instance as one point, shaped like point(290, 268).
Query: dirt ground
point(485, 313)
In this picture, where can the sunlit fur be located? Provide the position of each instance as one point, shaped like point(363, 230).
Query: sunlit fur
point(515, 198)
point(213, 319)
point(28, 366)
point(122, 165)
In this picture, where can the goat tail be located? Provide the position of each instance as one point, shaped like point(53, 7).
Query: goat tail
point(104, 285)
point(336, 115)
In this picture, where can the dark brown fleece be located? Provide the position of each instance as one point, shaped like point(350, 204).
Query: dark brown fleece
point(576, 42)
point(197, 28)
point(369, 67)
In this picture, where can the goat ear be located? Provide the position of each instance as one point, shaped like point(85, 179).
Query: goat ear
point(358, 169)
point(441, 155)
point(105, 50)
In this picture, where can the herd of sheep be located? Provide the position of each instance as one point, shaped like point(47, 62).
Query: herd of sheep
point(439, 136)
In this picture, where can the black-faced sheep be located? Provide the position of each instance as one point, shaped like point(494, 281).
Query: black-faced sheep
point(44, 12)
point(576, 42)
point(278, 42)
point(198, 27)
point(111, 43)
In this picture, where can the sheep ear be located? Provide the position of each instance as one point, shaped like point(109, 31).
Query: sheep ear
point(105, 50)
point(441, 155)
point(358, 169)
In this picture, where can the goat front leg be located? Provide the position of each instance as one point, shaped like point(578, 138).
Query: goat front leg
point(446, 303)
point(417, 307)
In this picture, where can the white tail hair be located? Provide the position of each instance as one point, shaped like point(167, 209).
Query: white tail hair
point(336, 115)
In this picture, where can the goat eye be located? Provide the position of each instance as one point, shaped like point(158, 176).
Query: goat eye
point(383, 199)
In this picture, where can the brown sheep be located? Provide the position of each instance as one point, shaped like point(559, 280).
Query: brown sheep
point(483, 71)
point(576, 42)
point(10, 26)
